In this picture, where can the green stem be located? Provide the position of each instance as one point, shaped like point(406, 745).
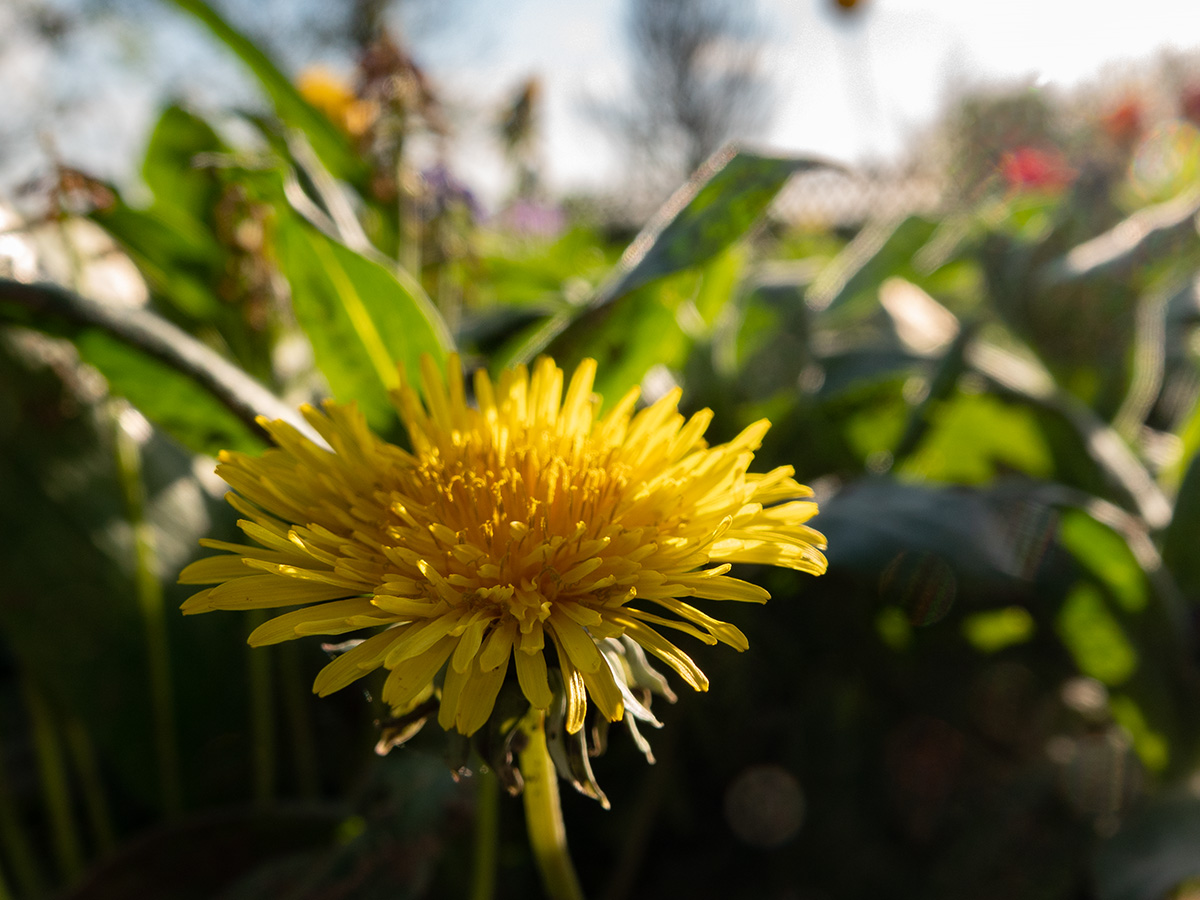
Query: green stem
point(83, 754)
point(299, 722)
point(17, 846)
point(262, 716)
point(150, 600)
point(487, 834)
point(543, 813)
point(55, 788)
point(5, 893)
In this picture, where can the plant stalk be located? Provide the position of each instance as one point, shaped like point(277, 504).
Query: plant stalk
point(487, 835)
point(543, 813)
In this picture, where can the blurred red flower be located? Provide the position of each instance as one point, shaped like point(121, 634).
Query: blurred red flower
point(1035, 169)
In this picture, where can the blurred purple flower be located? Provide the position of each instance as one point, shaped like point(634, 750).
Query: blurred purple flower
point(445, 190)
point(531, 218)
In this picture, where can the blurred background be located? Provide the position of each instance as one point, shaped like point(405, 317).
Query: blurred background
point(955, 261)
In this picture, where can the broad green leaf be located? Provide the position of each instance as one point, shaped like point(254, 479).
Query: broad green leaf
point(291, 107)
point(1094, 637)
point(877, 523)
point(719, 285)
point(975, 437)
point(177, 403)
point(167, 397)
point(628, 344)
point(1105, 554)
point(171, 167)
point(992, 630)
point(177, 255)
point(361, 319)
point(880, 251)
point(715, 208)
point(1151, 746)
point(148, 346)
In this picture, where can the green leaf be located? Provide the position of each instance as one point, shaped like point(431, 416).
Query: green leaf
point(880, 251)
point(994, 629)
point(53, 309)
point(636, 337)
point(170, 167)
point(290, 106)
point(1094, 637)
point(177, 255)
point(876, 524)
point(167, 397)
point(975, 437)
point(1107, 556)
point(716, 207)
point(361, 318)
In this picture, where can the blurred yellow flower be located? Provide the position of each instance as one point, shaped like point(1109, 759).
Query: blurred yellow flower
point(330, 93)
point(524, 522)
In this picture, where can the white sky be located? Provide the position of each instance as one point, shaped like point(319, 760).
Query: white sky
point(852, 90)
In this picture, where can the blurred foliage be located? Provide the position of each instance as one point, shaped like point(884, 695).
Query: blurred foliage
point(994, 692)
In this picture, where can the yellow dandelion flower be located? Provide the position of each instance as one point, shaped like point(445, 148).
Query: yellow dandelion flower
point(523, 522)
point(332, 95)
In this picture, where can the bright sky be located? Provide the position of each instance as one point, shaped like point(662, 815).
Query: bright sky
point(852, 90)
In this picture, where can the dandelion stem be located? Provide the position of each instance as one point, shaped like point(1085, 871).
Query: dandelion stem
point(543, 813)
point(487, 834)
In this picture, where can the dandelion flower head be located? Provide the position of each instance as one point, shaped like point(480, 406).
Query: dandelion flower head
point(521, 531)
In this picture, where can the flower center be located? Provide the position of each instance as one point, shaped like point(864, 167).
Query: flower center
point(520, 530)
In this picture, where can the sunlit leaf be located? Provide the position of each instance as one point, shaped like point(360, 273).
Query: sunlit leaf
point(993, 630)
point(715, 208)
point(199, 398)
point(173, 167)
point(975, 437)
point(361, 319)
point(1094, 637)
point(1151, 746)
point(1106, 555)
point(880, 251)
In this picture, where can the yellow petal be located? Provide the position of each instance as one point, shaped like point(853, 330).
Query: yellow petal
point(324, 618)
point(478, 698)
point(604, 691)
point(531, 675)
point(468, 644)
point(666, 651)
point(213, 570)
point(498, 646)
point(411, 676)
point(355, 663)
point(574, 639)
point(266, 591)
